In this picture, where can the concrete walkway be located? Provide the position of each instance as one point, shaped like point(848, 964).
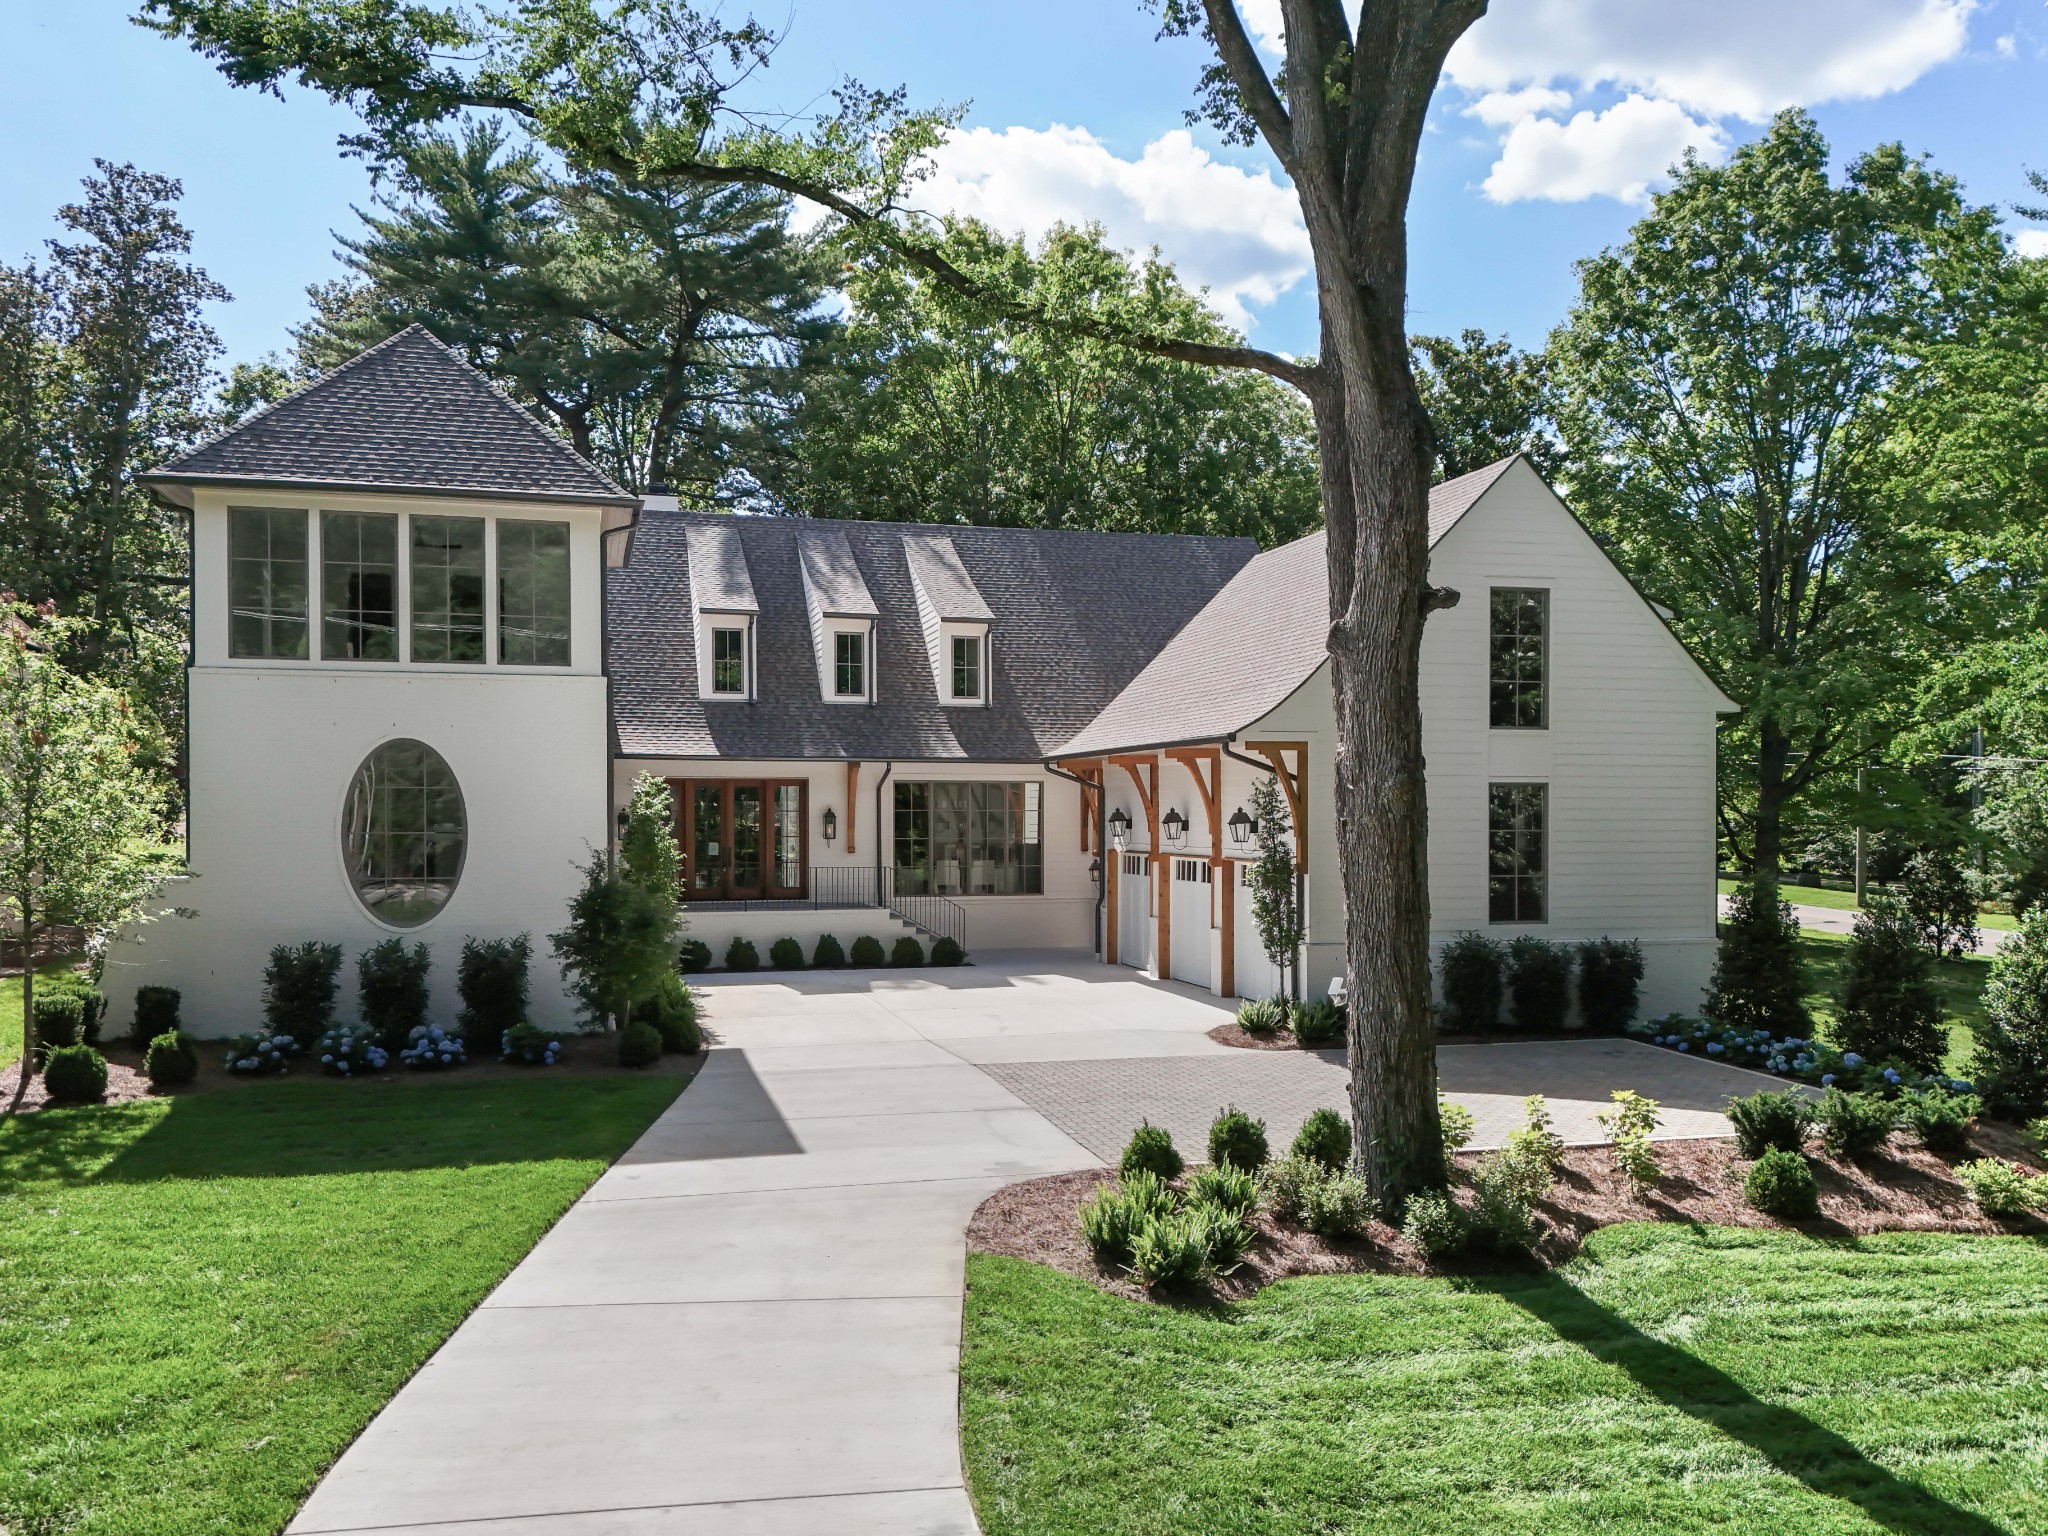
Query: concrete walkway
point(751, 1324)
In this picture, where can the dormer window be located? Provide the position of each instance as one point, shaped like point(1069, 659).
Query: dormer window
point(967, 669)
point(850, 664)
point(729, 662)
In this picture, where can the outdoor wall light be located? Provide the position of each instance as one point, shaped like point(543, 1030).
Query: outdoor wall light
point(831, 824)
point(1175, 826)
point(1241, 827)
point(624, 818)
point(1119, 828)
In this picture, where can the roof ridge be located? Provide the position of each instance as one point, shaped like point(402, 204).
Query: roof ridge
point(548, 434)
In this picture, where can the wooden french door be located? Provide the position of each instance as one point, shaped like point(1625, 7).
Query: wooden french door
point(742, 839)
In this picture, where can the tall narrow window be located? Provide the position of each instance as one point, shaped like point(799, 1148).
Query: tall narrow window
point(850, 665)
point(447, 589)
point(1518, 697)
point(1516, 852)
point(359, 586)
point(267, 583)
point(533, 593)
point(967, 666)
point(729, 662)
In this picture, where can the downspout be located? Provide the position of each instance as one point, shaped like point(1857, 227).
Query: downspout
point(881, 898)
point(1101, 850)
point(1299, 834)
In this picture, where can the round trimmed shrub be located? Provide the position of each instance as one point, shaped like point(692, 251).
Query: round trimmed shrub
point(156, 1013)
point(172, 1060)
point(1150, 1150)
point(75, 1074)
point(1319, 1023)
point(1238, 1140)
point(906, 951)
point(1261, 1016)
point(639, 1045)
point(742, 956)
point(946, 950)
point(1781, 1184)
point(60, 1021)
point(828, 956)
point(1324, 1137)
point(526, 1044)
point(693, 955)
point(786, 955)
point(868, 954)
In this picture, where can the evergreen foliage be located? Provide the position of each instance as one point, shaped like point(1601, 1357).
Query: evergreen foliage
point(786, 955)
point(828, 956)
point(868, 953)
point(906, 951)
point(1276, 912)
point(391, 990)
point(649, 855)
point(1941, 902)
point(1539, 984)
point(1151, 1150)
point(491, 979)
point(1610, 983)
point(2011, 1065)
point(1472, 967)
point(75, 1074)
point(740, 955)
point(156, 1013)
point(639, 1045)
point(1781, 1183)
point(299, 988)
point(1888, 1008)
point(1325, 1138)
point(1759, 980)
point(171, 1060)
point(620, 941)
point(1238, 1140)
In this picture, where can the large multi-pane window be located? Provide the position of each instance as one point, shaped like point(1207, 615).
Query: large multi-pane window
point(1518, 695)
point(729, 661)
point(968, 840)
point(267, 584)
point(359, 586)
point(741, 840)
point(533, 593)
point(849, 665)
point(1516, 852)
point(447, 589)
point(967, 666)
point(404, 833)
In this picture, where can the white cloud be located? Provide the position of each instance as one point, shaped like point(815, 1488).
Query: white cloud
point(1237, 233)
point(1617, 153)
point(2031, 242)
point(1685, 67)
point(1262, 20)
point(2007, 46)
point(1717, 58)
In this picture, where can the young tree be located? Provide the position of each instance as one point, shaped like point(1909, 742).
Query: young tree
point(1276, 907)
point(649, 855)
point(639, 88)
point(2013, 818)
point(1721, 389)
point(1759, 981)
point(1889, 1008)
point(1486, 399)
point(81, 821)
point(938, 414)
point(619, 943)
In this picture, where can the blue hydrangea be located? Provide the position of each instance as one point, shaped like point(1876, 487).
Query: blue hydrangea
point(1827, 1079)
point(1851, 1060)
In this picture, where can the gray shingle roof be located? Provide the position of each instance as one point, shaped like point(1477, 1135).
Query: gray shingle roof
point(1074, 617)
point(719, 580)
point(833, 575)
point(1242, 655)
point(935, 567)
point(408, 414)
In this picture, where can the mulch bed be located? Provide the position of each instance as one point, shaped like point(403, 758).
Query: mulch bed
point(581, 1056)
point(1903, 1188)
point(1279, 1040)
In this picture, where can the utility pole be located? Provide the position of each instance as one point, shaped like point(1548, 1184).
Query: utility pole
point(1859, 835)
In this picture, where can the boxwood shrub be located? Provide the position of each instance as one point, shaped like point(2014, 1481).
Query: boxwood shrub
point(828, 956)
point(1768, 1120)
point(1853, 1124)
point(692, 956)
point(1151, 1150)
point(1238, 1140)
point(786, 955)
point(1324, 1137)
point(1781, 1184)
point(742, 956)
point(75, 1074)
point(60, 1022)
point(868, 953)
point(946, 950)
point(171, 1061)
point(672, 1014)
point(156, 1013)
point(906, 951)
point(639, 1045)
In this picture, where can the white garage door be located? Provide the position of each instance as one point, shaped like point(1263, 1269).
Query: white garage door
point(1134, 916)
point(1191, 888)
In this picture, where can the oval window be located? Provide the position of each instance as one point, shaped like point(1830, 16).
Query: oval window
point(403, 833)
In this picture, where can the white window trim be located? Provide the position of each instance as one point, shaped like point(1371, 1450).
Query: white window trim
point(828, 661)
point(709, 624)
point(948, 633)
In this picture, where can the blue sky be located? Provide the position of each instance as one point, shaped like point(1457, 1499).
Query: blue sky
point(1551, 126)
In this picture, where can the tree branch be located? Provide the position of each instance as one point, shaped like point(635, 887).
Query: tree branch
point(1252, 82)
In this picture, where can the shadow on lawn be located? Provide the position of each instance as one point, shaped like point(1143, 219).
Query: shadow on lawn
point(1818, 1457)
point(312, 1128)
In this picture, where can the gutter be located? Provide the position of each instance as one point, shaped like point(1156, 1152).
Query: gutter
point(888, 768)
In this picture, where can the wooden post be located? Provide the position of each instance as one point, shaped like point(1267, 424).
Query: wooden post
point(852, 803)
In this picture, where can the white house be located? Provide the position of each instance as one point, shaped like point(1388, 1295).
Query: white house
point(433, 648)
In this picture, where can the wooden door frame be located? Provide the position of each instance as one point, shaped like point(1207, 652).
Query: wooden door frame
point(686, 811)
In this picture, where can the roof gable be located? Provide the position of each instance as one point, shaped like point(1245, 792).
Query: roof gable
point(406, 415)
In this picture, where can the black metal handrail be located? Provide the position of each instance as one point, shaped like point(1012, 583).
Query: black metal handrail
point(842, 887)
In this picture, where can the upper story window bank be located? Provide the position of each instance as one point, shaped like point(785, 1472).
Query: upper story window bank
point(398, 587)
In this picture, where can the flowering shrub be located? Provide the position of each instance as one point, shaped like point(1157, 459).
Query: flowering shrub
point(349, 1049)
point(1793, 1056)
point(528, 1045)
point(262, 1053)
point(430, 1048)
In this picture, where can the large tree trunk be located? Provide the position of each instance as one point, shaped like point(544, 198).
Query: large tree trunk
point(1767, 836)
point(1376, 453)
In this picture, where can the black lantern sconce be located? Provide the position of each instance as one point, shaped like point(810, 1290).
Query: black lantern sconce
point(831, 824)
point(1241, 827)
point(1175, 826)
point(625, 819)
point(1119, 829)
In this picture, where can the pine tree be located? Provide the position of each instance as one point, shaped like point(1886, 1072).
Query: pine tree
point(1889, 1008)
point(1759, 980)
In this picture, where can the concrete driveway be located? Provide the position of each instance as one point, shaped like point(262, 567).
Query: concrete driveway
point(751, 1323)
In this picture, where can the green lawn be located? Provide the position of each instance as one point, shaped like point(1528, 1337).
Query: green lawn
point(204, 1299)
point(1845, 901)
point(1671, 1379)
